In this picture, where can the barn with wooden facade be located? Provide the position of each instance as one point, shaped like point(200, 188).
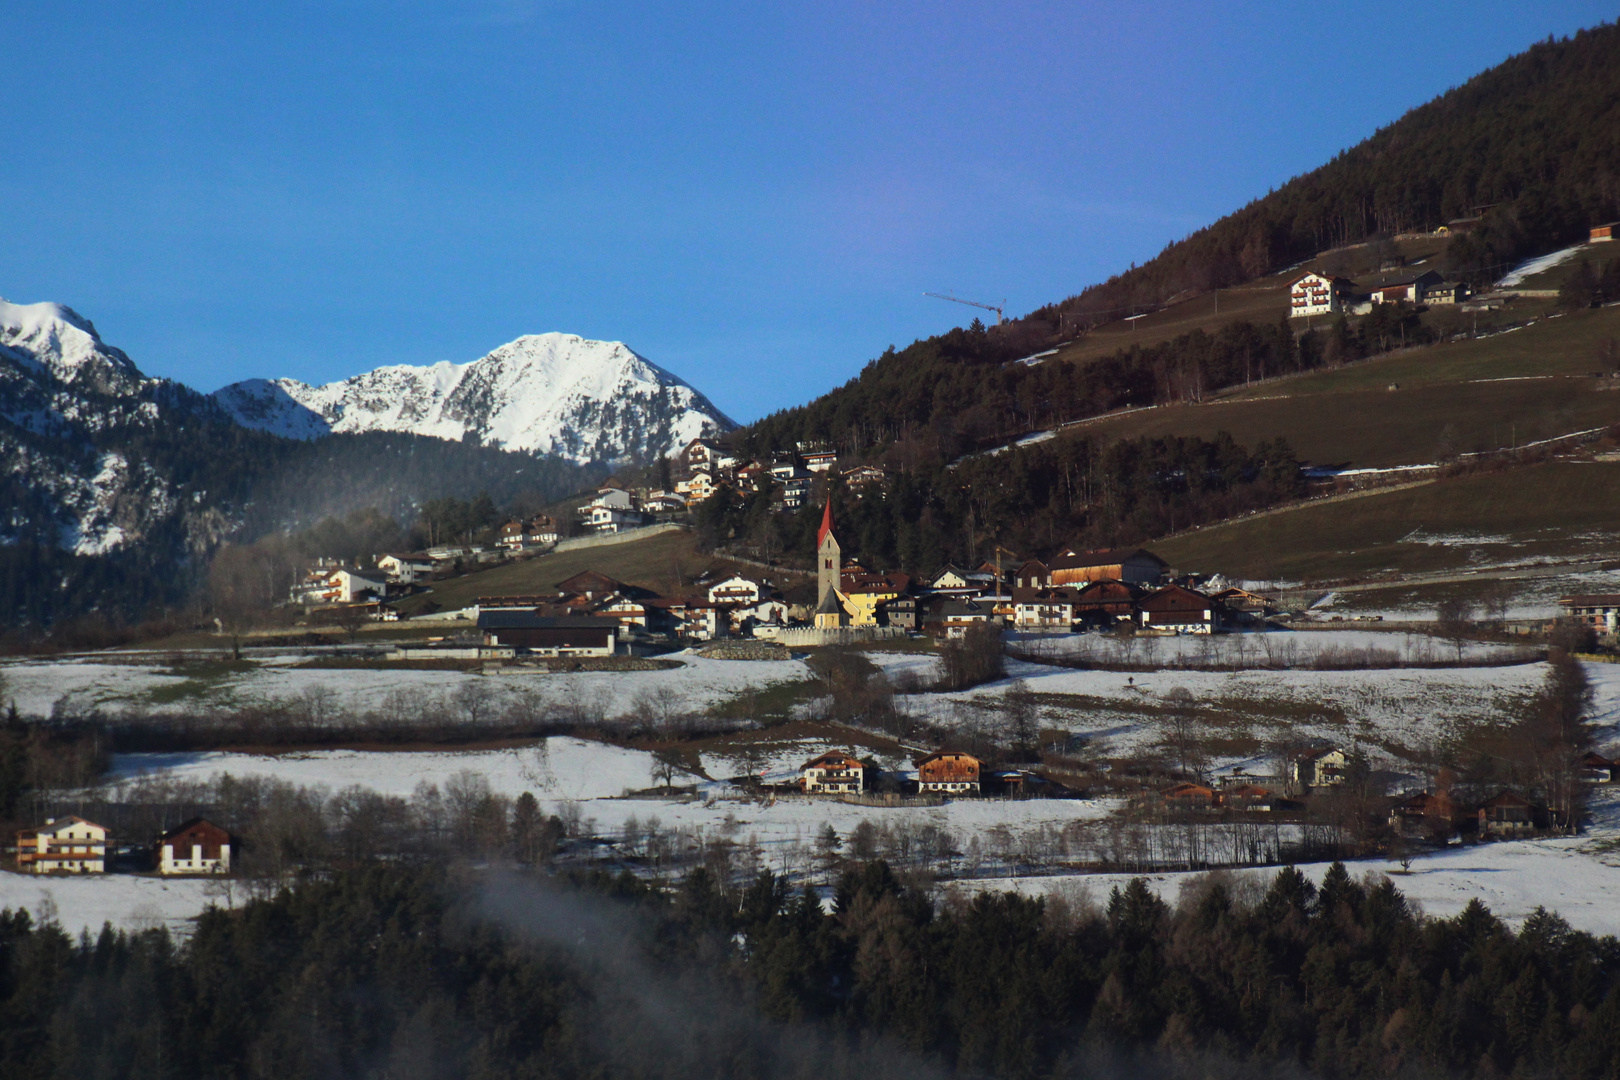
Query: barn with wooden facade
point(539, 635)
point(197, 846)
point(1136, 566)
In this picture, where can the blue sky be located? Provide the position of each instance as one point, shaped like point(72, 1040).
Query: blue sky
point(755, 196)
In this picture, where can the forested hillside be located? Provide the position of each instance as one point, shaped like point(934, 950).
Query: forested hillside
point(405, 973)
point(1534, 143)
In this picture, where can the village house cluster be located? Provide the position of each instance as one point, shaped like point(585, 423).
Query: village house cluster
point(945, 773)
point(708, 464)
point(1078, 590)
point(72, 845)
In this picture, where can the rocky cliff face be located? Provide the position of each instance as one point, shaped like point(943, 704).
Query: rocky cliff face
point(557, 394)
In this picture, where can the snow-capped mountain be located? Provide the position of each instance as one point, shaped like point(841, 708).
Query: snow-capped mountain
point(63, 391)
point(560, 394)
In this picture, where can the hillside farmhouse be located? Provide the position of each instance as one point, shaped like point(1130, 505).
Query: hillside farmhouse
point(67, 845)
point(1318, 294)
point(948, 772)
point(834, 772)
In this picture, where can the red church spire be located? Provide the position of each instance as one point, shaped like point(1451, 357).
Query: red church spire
point(826, 522)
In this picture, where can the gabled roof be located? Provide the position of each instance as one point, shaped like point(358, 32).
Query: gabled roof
point(1314, 753)
point(190, 824)
point(590, 581)
point(1174, 598)
point(829, 603)
point(877, 583)
point(1334, 278)
point(835, 759)
point(940, 754)
point(1106, 589)
point(1070, 558)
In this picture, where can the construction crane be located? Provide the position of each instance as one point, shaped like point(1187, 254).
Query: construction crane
point(1000, 318)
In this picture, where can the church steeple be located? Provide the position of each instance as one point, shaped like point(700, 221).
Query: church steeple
point(829, 556)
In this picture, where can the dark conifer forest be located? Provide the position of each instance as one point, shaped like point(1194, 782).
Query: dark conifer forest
point(456, 973)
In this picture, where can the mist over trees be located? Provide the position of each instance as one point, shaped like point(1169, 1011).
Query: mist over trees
point(439, 973)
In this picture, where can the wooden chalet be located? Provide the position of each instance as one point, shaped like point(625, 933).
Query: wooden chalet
point(1248, 798)
point(1180, 609)
point(1103, 603)
point(1032, 575)
point(949, 772)
point(1507, 816)
point(1596, 769)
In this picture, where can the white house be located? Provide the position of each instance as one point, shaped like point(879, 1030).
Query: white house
point(68, 845)
point(339, 586)
point(613, 510)
point(405, 569)
point(1043, 609)
point(735, 590)
point(1318, 294)
point(818, 461)
point(610, 519)
point(835, 773)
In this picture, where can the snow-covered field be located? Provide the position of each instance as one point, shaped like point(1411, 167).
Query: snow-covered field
point(1376, 709)
point(149, 683)
point(1119, 712)
point(557, 768)
point(126, 901)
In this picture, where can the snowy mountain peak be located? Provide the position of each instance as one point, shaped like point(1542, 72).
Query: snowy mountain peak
point(544, 393)
point(65, 343)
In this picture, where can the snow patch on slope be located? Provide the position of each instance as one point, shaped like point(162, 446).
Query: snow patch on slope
point(1540, 264)
point(543, 393)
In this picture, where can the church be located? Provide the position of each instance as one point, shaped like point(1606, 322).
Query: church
point(830, 614)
